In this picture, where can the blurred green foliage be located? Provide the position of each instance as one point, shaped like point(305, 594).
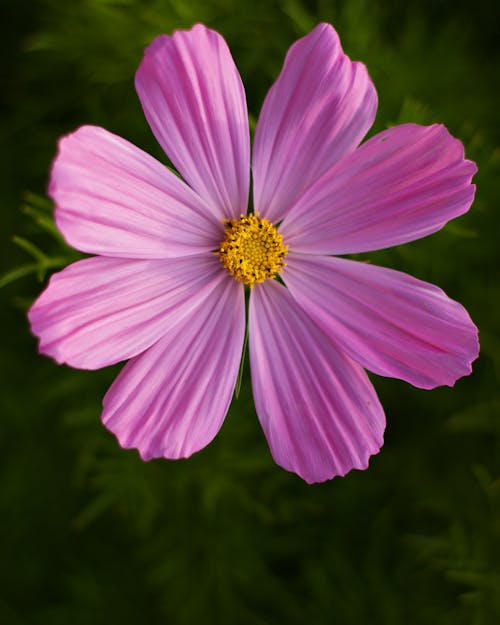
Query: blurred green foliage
point(90, 534)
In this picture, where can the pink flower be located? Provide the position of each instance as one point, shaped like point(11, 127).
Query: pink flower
point(166, 287)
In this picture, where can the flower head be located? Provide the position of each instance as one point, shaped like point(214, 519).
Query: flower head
point(165, 288)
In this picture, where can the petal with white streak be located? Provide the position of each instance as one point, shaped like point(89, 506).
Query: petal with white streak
point(320, 413)
point(194, 101)
point(113, 199)
point(318, 110)
point(171, 400)
point(100, 311)
point(403, 184)
point(388, 321)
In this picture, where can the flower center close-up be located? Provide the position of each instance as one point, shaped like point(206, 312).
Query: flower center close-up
point(252, 249)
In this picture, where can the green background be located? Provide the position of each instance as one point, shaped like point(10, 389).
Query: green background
point(89, 533)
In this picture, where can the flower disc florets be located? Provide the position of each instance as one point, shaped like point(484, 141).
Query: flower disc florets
point(252, 250)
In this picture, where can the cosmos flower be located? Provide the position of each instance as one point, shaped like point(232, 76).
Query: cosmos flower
point(173, 256)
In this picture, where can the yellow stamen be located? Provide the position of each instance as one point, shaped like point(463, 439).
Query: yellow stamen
point(252, 250)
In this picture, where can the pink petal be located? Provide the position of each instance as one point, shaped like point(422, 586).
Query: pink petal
point(317, 111)
point(401, 185)
point(115, 200)
point(100, 310)
point(194, 101)
point(319, 411)
point(389, 322)
point(171, 400)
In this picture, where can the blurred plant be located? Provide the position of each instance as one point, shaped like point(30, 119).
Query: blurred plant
point(39, 209)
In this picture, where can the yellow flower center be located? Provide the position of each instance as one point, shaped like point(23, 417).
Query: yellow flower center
point(252, 250)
